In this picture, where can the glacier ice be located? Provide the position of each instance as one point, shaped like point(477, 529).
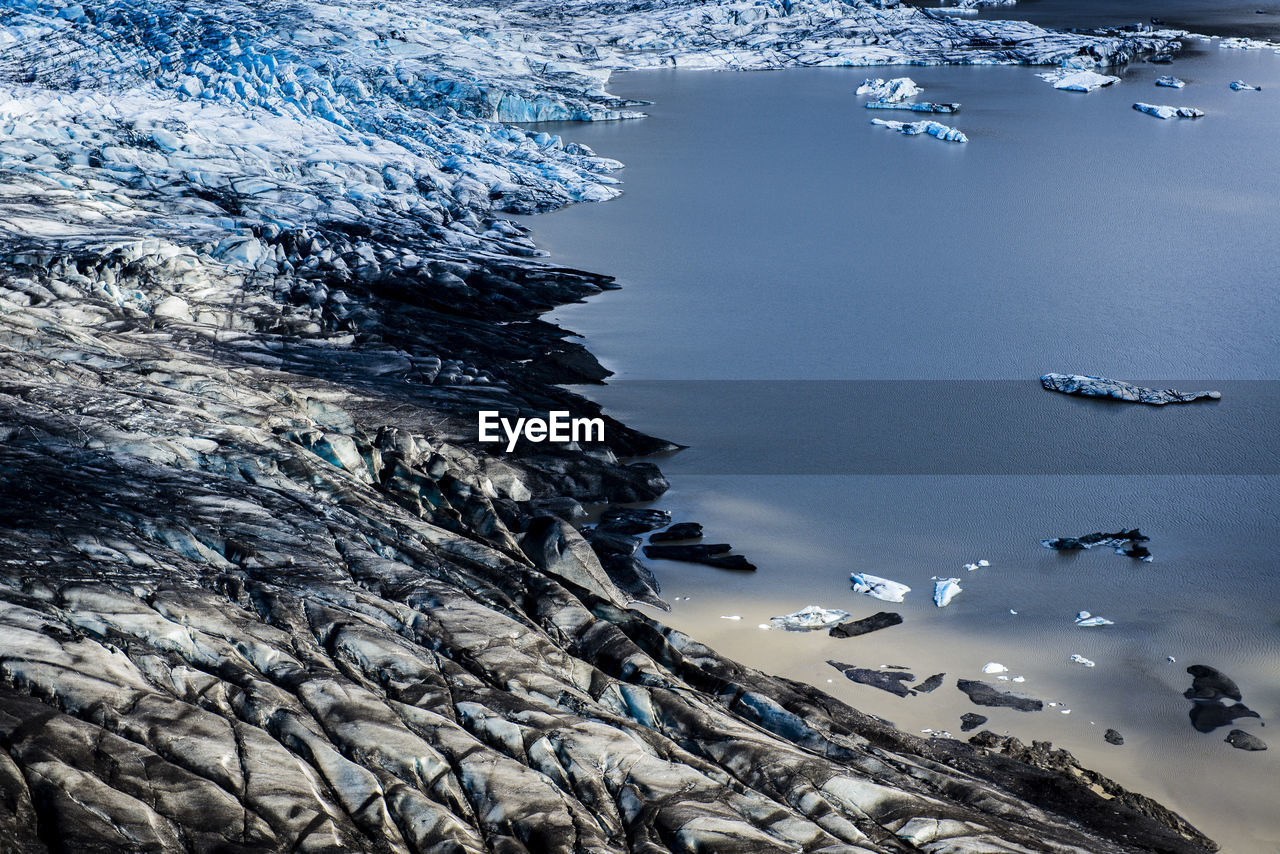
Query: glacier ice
point(1170, 81)
point(895, 90)
point(944, 590)
point(994, 667)
point(1080, 659)
point(1086, 620)
point(932, 128)
point(810, 618)
point(1241, 86)
point(921, 107)
point(1077, 80)
point(878, 588)
point(1161, 111)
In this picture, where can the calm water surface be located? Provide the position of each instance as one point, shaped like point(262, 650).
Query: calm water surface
point(769, 233)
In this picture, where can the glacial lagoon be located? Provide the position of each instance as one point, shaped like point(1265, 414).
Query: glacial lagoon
point(768, 233)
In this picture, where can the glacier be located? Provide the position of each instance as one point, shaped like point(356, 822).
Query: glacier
point(261, 589)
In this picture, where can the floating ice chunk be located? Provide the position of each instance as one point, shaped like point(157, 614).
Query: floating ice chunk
point(944, 590)
point(994, 667)
point(1170, 81)
point(878, 588)
point(1019, 679)
point(1240, 86)
point(1002, 678)
point(1087, 620)
point(1077, 79)
point(921, 107)
point(936, 129)
point(1172, 660)
point(1066, 711)
point(1080, 659)
point(1011, 611)
point(730, 617)
point(1162, 111)
point(809, 618)
point(896, 89)
point(972, 566)
point(984, 562)
point(1247, 44)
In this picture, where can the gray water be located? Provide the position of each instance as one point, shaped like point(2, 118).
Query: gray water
point(769, 233)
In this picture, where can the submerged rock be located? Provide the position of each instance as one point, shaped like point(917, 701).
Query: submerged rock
point(1112, 736)
point(679, 531)
point(982, 694)
point(627, 520)
point(874, 623)
point(1242, 740)
point(971, 721)
point(1087, 386)
point(1208, 715)
point(893, 681)
point(708, 554)
point(1127, 543)
point(1209, 683)
point(930, 685)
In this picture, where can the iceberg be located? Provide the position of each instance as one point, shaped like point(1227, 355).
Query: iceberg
point(921, 107)
point(970, 567)
point(1080, 659)
point(944, 590)
point(810, 618)
point(896, 89)
point(1086, 620)
point(1170, 81)
point(1241, 86)
point(1077, 80)
point(1089, 386)
point(937, 129)
point(1163, 111)
point(878, 588)
point(994, 667)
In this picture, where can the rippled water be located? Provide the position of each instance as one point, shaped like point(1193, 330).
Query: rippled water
point(768, 232)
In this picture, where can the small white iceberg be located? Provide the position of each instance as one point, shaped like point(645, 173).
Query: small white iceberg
point(944, 590)
point(897, 89)
point(730, 617)
point(1087, 620)
point(1077, 80)
point(1241, 86)
point(878, 588)
point(1170, 81)
point(1163, 111)
point(809, 618)
point(935, 129)
point(1080, 659)
point(970, 567)
point(994, 667)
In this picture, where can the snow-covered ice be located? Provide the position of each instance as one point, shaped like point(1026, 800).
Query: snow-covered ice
point(1080, 659)
point(809, 618)
point(1086, 620)
point(944, 590)
point(878, 588)
point(1077, 80)
point(994, 667)
point(1163, 111)
point(1170, 81)
point(1241, 86)
point(937, 129)
point(895, 89)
